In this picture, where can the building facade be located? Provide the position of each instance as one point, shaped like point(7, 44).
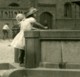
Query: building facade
point(59, 14)
point(56, 14)
point(8, 11)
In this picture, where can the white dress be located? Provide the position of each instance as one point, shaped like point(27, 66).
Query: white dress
point(19, 40)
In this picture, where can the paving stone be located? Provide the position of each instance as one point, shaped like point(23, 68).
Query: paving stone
point(6, 51)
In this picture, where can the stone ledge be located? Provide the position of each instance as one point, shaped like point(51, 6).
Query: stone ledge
point(6, 66)
point(48, 72)
point(52, 65)
point(42, 72)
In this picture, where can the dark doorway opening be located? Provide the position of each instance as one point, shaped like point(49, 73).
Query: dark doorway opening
point(46, 19)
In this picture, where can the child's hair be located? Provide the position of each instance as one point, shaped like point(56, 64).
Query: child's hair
point(20, 16)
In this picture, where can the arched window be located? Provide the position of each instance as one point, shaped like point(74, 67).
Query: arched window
point(67, 10)
point(46, 19)
point(14, 5)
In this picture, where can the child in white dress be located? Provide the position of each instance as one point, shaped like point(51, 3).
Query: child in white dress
point(26, 24)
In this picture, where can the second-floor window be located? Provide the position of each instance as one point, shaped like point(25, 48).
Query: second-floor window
point(67, 10)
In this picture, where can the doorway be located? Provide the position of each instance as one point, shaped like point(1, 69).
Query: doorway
point(46, 19)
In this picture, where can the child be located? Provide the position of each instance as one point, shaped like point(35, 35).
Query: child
point(26, 24)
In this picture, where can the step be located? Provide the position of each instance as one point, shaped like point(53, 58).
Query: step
point(7, 66)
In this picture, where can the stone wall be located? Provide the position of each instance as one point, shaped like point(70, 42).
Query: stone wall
point(52, 47)
point(67, 24)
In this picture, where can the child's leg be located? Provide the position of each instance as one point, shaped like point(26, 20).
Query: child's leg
point(3, 34)
point(21, 56)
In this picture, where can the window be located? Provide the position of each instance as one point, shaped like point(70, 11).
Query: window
point(68, 10)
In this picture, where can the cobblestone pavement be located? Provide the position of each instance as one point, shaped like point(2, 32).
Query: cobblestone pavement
point(6, 51)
